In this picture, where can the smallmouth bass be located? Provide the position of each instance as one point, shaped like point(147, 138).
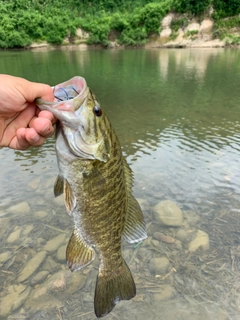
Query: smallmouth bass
point(97, 185)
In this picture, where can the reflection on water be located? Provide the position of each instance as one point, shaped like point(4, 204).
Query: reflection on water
point(176, 114)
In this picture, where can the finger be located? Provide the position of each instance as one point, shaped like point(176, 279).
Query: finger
point(48, 115)
point(26, 138)
point(33, 137)
point(38, 90)
point(19, 141)
point(42, 126)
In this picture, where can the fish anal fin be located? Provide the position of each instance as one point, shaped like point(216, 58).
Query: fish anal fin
point(70, 200)
point(58, 186)
point(110, 289)
point(78, 253)
point(134, 229)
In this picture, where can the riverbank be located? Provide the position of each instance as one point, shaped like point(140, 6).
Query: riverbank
point(215, 43)
point(177, 31)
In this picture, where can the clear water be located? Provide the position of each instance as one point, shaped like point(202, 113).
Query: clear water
point(176, 113)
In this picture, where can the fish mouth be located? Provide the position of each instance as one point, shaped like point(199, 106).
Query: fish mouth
point(63, 111)
point(70, 98)
point(68, 103)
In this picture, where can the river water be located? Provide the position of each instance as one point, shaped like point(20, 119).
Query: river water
point(176, 113)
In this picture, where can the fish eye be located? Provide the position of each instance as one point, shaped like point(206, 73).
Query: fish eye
point(97, 111)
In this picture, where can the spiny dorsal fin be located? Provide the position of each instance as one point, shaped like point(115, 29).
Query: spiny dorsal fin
point(79, 254)
point(112, 288)
point(58, 186)
point(134, 229)
point(70, 199)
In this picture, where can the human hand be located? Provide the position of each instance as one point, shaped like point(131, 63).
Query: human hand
point(22, 124)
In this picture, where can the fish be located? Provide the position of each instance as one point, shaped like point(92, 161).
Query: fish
point(97, 185)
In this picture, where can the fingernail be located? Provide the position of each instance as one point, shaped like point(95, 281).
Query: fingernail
point(47, 128)
point(35, 138)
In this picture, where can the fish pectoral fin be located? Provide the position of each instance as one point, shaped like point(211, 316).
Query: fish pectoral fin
point(58, 186)
point(78, 253)
point(70, 199)
point(93, 179)
point(134, 229)
point(112, 288)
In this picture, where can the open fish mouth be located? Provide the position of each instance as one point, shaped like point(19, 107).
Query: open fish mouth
point(70, 89)
point(69, 98)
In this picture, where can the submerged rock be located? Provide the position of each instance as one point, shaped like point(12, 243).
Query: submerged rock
point(57, 282)
point(15, 297)
point(55, 288)
point(163, 237)
point(144, 254)
point(165, 293)
point(41, 214)
point(27, 229)
point(46, 302)
point(32, 265)
point(21, 207)
point(50, 265)
point(200, 241)
point(182, 235)
point(61, 254)
point(159, 265)
point(39, 277)
point(4, 256)
point(168, 214)
point(14, 236)
point(55, 243)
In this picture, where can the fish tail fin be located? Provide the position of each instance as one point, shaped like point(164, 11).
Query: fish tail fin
point(110, 289)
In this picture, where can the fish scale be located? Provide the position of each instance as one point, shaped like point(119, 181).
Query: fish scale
point(97, 185)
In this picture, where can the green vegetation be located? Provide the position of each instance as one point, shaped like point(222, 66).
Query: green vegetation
point(224, 27)
point(178, 23)
point(27, 21)
point(232, 39)
point(191, 33)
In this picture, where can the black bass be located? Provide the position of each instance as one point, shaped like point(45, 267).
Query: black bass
point(97, 185)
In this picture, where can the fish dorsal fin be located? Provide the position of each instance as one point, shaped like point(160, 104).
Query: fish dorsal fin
point(135, 229)
point(78, 253)
point(128, 176)
point(70, 199)
point(58, 186)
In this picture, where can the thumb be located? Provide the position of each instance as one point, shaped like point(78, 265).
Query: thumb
point(32, 90)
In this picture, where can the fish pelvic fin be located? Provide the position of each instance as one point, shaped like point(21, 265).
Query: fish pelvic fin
point(110, 289)
point(78, 253)
point(134, 229)
point(58, 186)
point(70, 199)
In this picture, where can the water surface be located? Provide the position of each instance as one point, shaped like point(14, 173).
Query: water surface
point(176, 113)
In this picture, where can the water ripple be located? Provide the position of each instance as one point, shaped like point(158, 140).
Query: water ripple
point(196, 170)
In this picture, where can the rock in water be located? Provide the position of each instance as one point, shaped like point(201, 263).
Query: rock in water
point(168, 214)
point(200, 241)
point(159, 265)
point(32, 265)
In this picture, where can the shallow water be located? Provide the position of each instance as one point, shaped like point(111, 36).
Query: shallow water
point(176, 114)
